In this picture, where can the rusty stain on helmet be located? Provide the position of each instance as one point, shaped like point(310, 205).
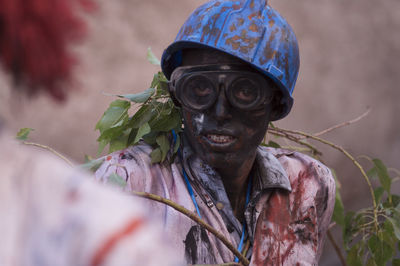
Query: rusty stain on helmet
point(271, 23)
point(268, 52)
point(252, 4)
point(188, 30)
point(236, 7)
point(252, 15)
point(253, 27)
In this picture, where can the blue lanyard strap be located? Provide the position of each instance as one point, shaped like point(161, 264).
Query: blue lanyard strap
point(189, 187)
point(244, 223)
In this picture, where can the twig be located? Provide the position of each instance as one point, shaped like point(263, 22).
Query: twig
point(348, 155)
point(195, 218)
point(336, 247)
point(49, 149)
point(246, 247)
point(340, 125)
point(331, 225)
point(282, 133)
point(397, 172)
point(295, 148)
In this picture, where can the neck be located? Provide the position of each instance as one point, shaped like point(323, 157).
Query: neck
point(235, 177)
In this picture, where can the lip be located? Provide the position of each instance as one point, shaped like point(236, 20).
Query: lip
point(219, 140)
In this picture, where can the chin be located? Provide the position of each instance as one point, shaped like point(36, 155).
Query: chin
point(220, 159)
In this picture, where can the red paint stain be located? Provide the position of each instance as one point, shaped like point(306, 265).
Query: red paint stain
point(106, 248)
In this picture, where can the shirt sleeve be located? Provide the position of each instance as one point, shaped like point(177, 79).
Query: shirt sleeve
point(132, 165)
point(292, 226)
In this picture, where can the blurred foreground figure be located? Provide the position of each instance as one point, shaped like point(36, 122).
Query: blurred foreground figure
point(232, 69)
point(56, 216)
point(50, 213)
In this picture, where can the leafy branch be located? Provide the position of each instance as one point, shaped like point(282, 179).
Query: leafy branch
point(156, 117)
point(371, 235)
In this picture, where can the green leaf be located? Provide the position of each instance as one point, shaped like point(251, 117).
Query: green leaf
point(23, 133)
point(156, 155)
point(161, 77)
point(150, 138)
point(348, 228)
point(139, 97)
point(381, 251)
point(338, 211)
point(92, 165)
point(383, 174)
point(372, 173)
point(165, 123)
point(152, 58)
point(371, 262)
point(388, 235)
point(143, 130)
point(143, 115)
point(273, 144)
point(102, 145)
point(378, 192)
point(116, 112)
point(396, 201)
point(395, 221)
point(164, 144)
point(155, 82)
point(353, 257)
point(117, 180)
point(396, 262)
point(111, 133)
point(88, 158)
point(119, 143)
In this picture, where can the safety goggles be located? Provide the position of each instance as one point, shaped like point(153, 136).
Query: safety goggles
point(198, 87)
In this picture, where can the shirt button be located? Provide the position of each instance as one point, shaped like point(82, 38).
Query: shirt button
point(220, 206)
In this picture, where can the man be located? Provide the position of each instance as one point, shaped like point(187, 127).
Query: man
point(232, 70)
point(52, 214)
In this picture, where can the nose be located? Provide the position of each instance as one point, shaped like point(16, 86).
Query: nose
point(222, 106)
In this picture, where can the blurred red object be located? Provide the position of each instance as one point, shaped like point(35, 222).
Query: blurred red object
point(34, 40)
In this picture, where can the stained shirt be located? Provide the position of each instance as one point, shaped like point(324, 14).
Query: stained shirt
point(290, 207)
point(52, 214)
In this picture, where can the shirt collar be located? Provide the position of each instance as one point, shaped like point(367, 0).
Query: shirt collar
point(267, 172)
point(270, 172)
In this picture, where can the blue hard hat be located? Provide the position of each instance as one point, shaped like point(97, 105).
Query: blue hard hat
point(247, 29)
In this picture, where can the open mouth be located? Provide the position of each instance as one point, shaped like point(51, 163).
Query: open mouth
point(220, 139)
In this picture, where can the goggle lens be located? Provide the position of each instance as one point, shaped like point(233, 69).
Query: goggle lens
point(244, 93)
point(197, 92)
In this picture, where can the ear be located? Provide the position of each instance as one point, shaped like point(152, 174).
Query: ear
point(277, 111)
point(280, 106)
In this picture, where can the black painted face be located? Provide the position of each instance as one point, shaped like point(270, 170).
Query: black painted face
point(223, 134)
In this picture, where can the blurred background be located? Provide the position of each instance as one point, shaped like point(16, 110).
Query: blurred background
point(349, 51)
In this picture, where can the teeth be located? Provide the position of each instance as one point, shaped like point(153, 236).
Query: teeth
point(220, 138)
